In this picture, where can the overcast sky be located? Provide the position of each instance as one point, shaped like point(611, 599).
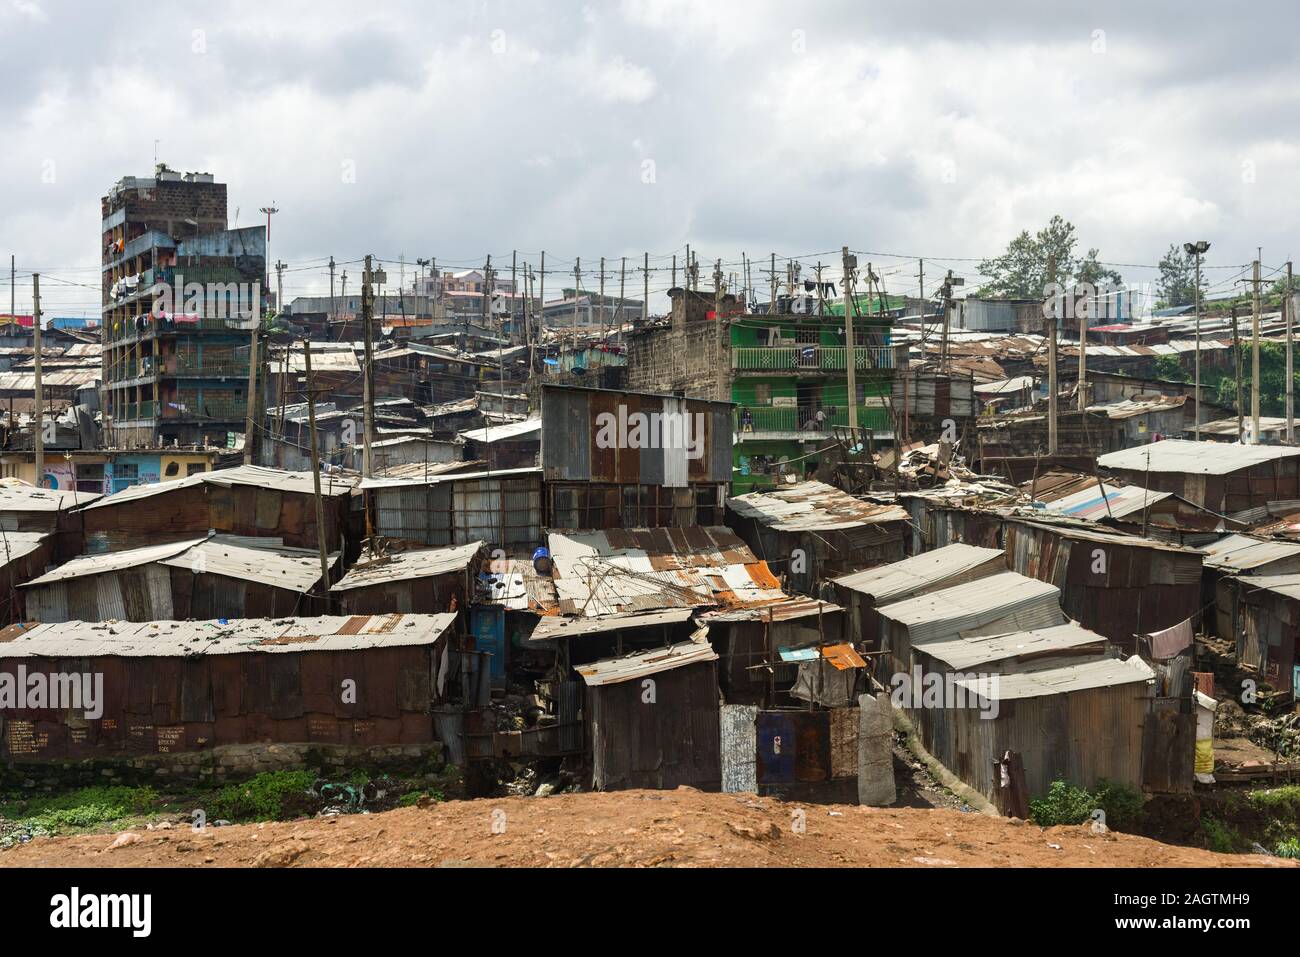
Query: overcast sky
point(739, 126)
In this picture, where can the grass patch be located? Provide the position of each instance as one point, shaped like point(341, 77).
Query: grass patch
point(270, 796)
point(1221, 837)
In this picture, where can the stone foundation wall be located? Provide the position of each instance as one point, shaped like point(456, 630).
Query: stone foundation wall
point(234, 762)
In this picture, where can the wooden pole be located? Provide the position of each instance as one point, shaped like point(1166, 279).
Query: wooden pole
point(315, 476)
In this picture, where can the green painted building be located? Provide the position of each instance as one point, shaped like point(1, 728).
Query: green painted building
point(785, 370)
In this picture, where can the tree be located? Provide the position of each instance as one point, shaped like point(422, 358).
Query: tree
point(1021, 271)
point(1177, 283)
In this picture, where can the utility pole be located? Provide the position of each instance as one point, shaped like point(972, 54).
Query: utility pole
point(38, 431)
point(622, 284)
point(266, 275)
point(1082, 386)
point(848, 263)
point(1051, 364)
point(921, 296)
point(1241, 401)
point(315, 473)
point(1197, 249)
point(333, 313)
point(1288, 310)
point(251, 423)
point(688, 266)
point(577, 283)
point(368, 373)
point(601, 299)
point(645, 294)
point(821, 299)
point(771, 302)
point(541, 296)
point(1254, 361)
point(514, 301)
point(279, 286)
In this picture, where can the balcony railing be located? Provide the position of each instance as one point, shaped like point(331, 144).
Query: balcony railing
point(139, 410)
point(766, 419)
point(812, 358)
point(185, 365)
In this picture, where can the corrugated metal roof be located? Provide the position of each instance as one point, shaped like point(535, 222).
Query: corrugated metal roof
point(1052, 681)
point(500, 433)
point(1241, 552)
point(123, 639)
point(377, 483)
point(967, 607)
point(1285, 585)
point(1229, 426)
point(959, 653)
point(268, 562)
point(1194, 458)
point(27, 498)
point(515, 584)
point(553, 626)
point(1104, 537)
point(1117, 502)
point(332, 484)
point(406, 566)
point(812, 506)
point(619, 570)
point(787, 609)
point(1006, 386)
point(615, 670)
point(1128, 408)
point(943, 566)
point(14, 545)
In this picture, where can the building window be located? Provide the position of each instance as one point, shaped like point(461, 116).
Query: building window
point(762, 393)
point(173, 469)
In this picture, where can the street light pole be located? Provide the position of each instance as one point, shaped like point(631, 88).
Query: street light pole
point(1197, 249)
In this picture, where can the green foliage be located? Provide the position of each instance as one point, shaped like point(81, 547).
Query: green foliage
point(1021, 271)
point(1288, 848)
point(1177, 283)
point(1063, 804)
point(1066, 804)
point(1171, 370)
point(269, 796)
point(83, 808)
point(1220, 837)
point(411, 798)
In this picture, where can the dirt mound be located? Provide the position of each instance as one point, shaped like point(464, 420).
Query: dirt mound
point(682, 828)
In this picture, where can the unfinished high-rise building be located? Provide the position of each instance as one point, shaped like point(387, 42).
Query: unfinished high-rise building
point(179, 292)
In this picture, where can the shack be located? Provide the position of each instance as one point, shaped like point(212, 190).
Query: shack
point(23, 556)
point(863, 592)
point(1268, 617)
point(1230, 565)
point(634, 459)
point(25, 508)
point(652, 719)
point(998, 604)
point(210, 577)
point(424, 580)
point(619, 570)
point(249, 500)
point(1118, 585)
point(503, 509)
point(1222, 478)
point(513, 445)
point(811, 531)
point(174, 687)
point(1081, 723)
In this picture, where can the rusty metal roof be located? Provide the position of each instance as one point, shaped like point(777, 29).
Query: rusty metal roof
point(410, 565)
point(787, 609)
point(610, 671)
point(810, 506)
point(14, 545)
point(620, 570)
point(515, 584)
point(123, 639)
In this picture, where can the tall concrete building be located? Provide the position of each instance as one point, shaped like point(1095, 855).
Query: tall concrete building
point(177, 287)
